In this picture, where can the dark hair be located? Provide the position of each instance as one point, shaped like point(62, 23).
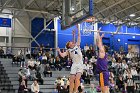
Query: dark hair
point(20, 69)
point(35, 80)
point(80, 89)
point(67, 45)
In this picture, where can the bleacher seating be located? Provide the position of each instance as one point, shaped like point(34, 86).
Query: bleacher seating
point(5, 83)
point(47, 87)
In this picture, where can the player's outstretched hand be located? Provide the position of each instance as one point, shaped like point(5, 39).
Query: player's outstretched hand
point(102, 35)
point(98, 31)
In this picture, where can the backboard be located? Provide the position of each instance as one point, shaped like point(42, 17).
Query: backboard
point(75, 11)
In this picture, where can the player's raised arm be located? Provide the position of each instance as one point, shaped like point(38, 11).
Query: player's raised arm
point(79, 36)
point(62, 54)
point(73, 33)
point(100, 44)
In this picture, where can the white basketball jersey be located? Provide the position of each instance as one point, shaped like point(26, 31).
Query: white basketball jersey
point(76, 54)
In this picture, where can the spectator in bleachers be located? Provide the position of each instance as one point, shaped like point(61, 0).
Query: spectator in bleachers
point(93, 62)
point(51, 53)
point(58, 63)
point(92, 89)
point(69, 64)
point(41, 50)
point(9, 53)
point(86, 66)
point(44, 59)
point(120, 84)
point(138, 67)
point(124, 65)
point(22, 87)
point(86, 77)
point(2, 52)
point(92, 59)
point(47, 70)
point(89, 54)
point(28, 53)
point(25, 79)
point(86, 60)
point(38, 77)
point(20, 74)
point(22, 60)
point(19, 52)
point(31, 64)
point(38, 66)
point(27, 73)
point(80, 89)
point(129, 55)
point(134, 72)
point(130, 85)
point(35, 53)
point(86, 47)
point(91, 47)
point(51, 63)
point(35, 87)
point(111, 76)
point(65, 81)
point(112, 86)
point(58, 84)
point(90, 72)
point(90, 65)
point(14, 59)
point(65, 89)
point(63, 60)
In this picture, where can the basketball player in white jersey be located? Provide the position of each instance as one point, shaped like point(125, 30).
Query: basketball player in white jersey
point(74, 51)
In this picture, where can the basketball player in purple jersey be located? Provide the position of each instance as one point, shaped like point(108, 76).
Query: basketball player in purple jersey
point(101, 65)
point(74, 52)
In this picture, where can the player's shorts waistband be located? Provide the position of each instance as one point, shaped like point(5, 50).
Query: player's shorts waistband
point(103, 71)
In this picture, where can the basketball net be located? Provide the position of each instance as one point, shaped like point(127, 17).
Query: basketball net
point(87, 26)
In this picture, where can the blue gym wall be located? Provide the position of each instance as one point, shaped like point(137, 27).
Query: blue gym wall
point(66, 35)
point(125, 40)
point(46, 36)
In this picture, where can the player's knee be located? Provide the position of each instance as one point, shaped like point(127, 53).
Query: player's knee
point(78, 75)
point(77, 78)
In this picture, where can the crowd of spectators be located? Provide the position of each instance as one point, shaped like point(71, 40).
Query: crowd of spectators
point(124, 69)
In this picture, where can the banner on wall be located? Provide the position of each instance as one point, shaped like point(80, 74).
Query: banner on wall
point(5, 22)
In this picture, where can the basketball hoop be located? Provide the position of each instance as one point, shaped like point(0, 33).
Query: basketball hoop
point(87, 27)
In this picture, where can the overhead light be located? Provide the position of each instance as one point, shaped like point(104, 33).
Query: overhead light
point(125, 43)
point(119, 40)
point(132, 15)
point(133, 37)
point(72, 9)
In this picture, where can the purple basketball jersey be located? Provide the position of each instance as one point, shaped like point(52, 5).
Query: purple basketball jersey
point(101, 64)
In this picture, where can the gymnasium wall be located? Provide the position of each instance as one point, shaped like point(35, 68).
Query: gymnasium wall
point(125, 40)
point(46, 37)
point(66, 35)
